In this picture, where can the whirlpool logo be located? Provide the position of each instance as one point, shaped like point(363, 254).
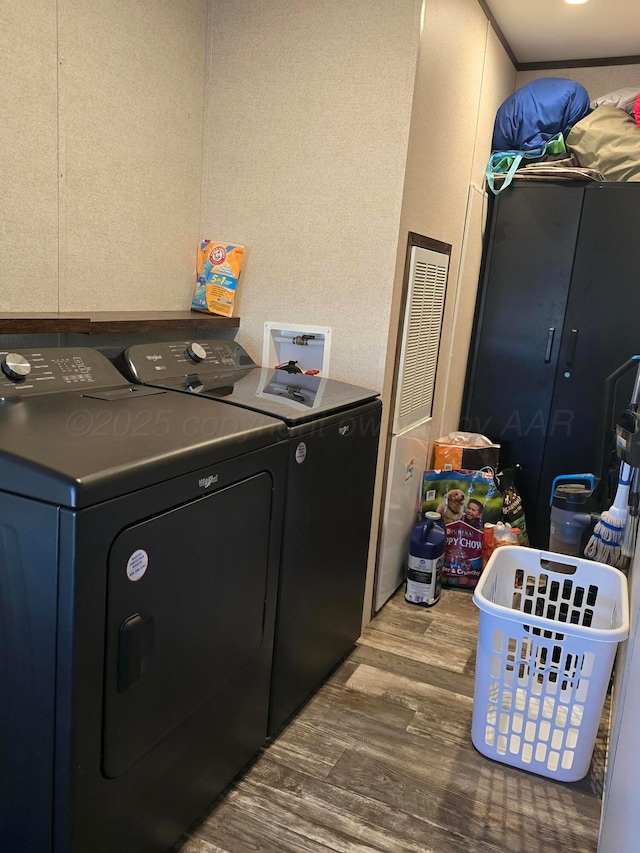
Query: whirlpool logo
point(343, 430)
point(205, 482)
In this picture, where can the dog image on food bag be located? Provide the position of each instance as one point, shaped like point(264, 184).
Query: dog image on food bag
point(452, 507)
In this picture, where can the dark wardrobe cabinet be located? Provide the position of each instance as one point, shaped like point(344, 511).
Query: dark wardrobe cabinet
point(558, 312)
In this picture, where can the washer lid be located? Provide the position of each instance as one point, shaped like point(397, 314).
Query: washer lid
point(226, 372)
point(295, 398)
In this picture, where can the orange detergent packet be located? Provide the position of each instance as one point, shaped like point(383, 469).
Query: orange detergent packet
point(218, 271)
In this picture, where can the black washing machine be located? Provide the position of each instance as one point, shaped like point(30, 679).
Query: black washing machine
point(333, 430)
point(139, 550)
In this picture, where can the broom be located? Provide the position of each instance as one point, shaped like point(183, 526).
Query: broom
point(605, 544)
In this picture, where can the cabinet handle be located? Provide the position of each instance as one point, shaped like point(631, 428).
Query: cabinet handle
point(572, 346)
point(550, 336)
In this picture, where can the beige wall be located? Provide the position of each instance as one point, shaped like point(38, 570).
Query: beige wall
point(462, 76)
point(498, 78)
point(28, 157)
point(102, 109)
point(598, 80)
point(306, 141)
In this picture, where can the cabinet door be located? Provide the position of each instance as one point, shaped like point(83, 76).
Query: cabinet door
point(602, 331)
point(519, 324)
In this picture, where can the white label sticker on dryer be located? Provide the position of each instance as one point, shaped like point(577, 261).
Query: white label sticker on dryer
point(301, 453)
point(137, 565)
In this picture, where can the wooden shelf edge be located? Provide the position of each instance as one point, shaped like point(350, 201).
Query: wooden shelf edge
point(110, 322)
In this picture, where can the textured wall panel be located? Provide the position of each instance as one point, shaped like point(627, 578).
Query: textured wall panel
point(28, 157)
point(462, 77)
point(131, 114)
point(306, 140)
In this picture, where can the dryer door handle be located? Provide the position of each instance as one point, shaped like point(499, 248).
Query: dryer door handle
point(135, 650)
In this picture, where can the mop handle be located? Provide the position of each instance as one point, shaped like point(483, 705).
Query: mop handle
point(626, 474)
point(622, 493)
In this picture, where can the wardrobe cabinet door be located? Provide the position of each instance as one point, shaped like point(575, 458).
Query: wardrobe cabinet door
point(602, 330)
point(519, 324)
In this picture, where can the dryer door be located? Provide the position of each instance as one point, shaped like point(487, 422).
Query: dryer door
point(185, 613)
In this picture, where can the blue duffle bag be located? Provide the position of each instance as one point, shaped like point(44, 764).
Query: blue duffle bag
point(532, 123)
point(536, 112)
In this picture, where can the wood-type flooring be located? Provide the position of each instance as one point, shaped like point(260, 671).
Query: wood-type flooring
point(380, 759)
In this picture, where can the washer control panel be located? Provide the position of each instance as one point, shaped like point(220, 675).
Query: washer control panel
point(159, 362)
point(25, 373)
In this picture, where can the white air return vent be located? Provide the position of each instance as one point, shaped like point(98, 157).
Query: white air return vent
point(420, 337)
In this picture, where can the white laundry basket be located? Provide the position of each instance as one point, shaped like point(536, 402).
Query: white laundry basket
point(548, 633)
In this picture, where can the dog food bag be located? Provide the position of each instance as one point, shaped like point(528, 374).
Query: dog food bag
point(466, 501)
point(218, 271)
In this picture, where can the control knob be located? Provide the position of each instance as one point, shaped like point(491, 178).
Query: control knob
point(15, 366)
point(196, 352)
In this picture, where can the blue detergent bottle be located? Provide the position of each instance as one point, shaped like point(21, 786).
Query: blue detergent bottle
point(426, 557)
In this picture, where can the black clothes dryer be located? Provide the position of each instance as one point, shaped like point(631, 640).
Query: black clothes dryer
point(139, 548)
point(333, 430)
